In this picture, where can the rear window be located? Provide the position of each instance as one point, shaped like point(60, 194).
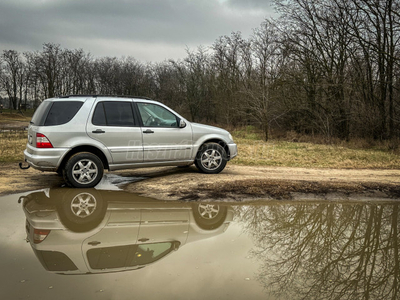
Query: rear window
point(55, 113)
point(61, 112)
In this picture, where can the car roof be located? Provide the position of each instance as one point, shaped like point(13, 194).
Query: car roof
point(103, 97)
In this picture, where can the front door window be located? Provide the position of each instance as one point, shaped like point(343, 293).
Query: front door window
point(156, 116)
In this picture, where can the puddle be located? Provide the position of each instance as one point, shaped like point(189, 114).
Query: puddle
point(114, 182)
point(113, 245)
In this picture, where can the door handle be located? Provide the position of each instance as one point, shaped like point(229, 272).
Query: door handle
point(143, 240)
point(148, 131)
point(98, 131)
point(95, 243)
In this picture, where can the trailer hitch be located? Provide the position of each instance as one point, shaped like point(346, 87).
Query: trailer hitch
point(24, 168)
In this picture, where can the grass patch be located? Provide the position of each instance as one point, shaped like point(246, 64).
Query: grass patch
point(255, 151)
point(12, 145)
point(8, 117)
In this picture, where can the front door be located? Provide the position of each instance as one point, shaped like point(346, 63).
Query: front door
point(163, 139)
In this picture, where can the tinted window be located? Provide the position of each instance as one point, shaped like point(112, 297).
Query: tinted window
point(99, 117)
point(156, 116)
point(113, 113)
point(61, 112)
point(40, 114)
point(127, 256)
point(55, 261)
point(109, 258)
point(148, 253)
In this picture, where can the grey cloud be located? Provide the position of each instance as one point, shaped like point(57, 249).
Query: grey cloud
point(264, 5)
point(179, 22)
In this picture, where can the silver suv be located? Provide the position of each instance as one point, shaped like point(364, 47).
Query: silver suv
point(89, 231)
point(80, 136)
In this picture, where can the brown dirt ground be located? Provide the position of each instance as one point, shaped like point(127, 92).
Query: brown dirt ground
point(235, 183)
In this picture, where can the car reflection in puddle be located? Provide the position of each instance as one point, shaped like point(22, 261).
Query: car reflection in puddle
point(87, 231)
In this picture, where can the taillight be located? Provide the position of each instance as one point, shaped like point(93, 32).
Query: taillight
point(39, 235)
point(42, 141)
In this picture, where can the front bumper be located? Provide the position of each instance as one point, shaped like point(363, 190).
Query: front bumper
point(233, 152)
point(47, 159)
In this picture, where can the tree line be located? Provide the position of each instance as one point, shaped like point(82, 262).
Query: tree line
point(323, 67)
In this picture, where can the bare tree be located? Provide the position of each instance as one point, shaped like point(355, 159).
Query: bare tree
point(12, 76)
point(326, 251)
point(261, 83)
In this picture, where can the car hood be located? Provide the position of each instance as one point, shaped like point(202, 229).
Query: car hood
point(201, 128)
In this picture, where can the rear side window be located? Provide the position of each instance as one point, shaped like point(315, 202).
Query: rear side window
point(55, 261)
point(41, 113)
point(61, 112)
point(113, 113)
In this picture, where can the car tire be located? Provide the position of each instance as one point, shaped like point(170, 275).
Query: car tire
point(81, 210)
point(211, 158)
point(83, 170)
point(209, 216)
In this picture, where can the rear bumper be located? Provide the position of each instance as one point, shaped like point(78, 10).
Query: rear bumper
point(47, 159)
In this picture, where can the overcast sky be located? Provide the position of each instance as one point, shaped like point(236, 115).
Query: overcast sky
point(148, 30)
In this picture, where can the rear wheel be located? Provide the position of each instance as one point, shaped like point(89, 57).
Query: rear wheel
point(81, 210)
point(83, 170)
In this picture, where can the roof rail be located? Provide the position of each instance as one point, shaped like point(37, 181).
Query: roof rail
point(118, 96)
point(68, 96)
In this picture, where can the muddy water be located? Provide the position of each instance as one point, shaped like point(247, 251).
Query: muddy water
point(91, 244)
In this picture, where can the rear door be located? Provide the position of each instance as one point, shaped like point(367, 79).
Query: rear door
point(114, 124)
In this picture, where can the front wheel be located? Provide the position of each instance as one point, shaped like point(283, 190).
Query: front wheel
point(209, 216)
point(83, 170)
point(211, 158)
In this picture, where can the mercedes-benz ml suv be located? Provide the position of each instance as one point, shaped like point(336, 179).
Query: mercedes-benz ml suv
point(80, 136)
point(89, 231)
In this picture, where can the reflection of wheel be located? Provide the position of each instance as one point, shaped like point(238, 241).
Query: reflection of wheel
point(83, 170)
point(83, 205)
point(211, 158)
point(81, 210)
point(209, 216)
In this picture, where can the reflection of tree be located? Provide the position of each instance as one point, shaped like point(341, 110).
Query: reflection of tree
point(326, 251)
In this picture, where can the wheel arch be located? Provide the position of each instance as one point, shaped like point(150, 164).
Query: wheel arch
point(85, 148)
point(218, 141)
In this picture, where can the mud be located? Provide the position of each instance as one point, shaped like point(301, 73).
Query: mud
point(235, 183)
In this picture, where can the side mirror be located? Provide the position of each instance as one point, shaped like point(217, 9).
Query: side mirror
point(182, 124)
point(176, 245)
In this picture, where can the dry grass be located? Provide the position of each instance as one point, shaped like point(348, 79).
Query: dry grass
point(355, 155)
point(254, 151)
point(14, 120)
point(12, 136)
point(12, 145)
